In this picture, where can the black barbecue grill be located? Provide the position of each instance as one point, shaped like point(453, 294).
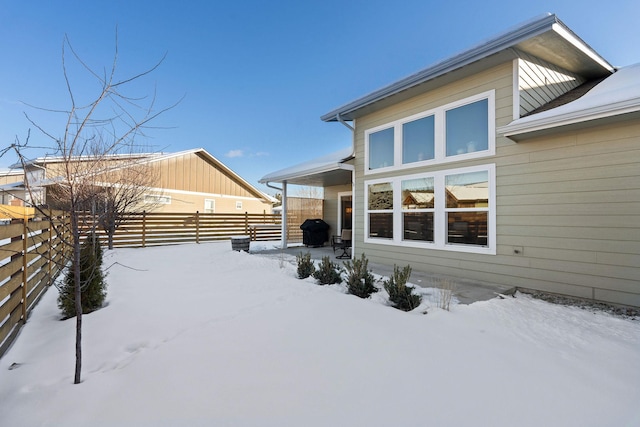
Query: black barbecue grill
point(314, 232)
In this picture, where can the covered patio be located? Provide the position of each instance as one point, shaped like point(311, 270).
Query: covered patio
point(333, 173)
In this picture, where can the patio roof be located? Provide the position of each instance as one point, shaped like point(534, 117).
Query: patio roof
point(324, 171)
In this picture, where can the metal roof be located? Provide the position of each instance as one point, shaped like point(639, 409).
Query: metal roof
point(545, 37)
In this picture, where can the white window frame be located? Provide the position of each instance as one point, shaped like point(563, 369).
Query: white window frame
point(161, 199)
point(440, 156)
point(213, 203)
point(439, 212)
point(238, 205)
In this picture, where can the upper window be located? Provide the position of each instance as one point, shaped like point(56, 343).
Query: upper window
point(418, 140)
point(467, 128)
point(456, 131)
point(381, 149)
point(239, 205)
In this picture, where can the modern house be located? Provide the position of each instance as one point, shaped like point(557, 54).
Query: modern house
point(184, 182)
point(514, 162)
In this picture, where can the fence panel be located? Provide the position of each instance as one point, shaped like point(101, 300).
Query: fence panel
point(30, 259)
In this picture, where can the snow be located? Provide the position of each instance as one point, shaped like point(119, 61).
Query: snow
point(200, 335)
point(329, 162)
point(617, 94)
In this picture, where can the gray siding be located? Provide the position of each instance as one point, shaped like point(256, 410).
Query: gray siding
point(569, 203)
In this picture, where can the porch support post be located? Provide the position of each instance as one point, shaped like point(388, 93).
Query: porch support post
point(284, 215)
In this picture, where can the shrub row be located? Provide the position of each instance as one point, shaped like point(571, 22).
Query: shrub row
point(359, 279)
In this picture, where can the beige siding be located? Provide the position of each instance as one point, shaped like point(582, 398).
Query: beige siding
point(191, 172)
point(191, 178)
point(331, 206)
point(540, 82)
point(192, 202)
point(569, 204)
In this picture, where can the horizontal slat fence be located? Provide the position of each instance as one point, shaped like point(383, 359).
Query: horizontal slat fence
point(31, 257)
point(156, 229)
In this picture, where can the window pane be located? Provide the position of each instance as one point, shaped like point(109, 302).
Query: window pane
point(467, 128)
point(418, 140)
point(381, 149)
point(380, 196)
point(417, 193)
point(418, 226)
point(381, 225)
point(468, 190)
point(469, 228)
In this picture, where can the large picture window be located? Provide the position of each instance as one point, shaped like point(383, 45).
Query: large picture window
point(452, 210)
point(417, 209)
point(418, 140)
point(457, 131)
point(380, 210)
point(467, 197)
point(467, 128)
point(381, 149)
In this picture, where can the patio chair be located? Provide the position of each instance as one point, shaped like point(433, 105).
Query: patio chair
point(342, 242)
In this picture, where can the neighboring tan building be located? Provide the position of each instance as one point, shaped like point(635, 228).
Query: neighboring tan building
point(515, 162)
point(184, 182)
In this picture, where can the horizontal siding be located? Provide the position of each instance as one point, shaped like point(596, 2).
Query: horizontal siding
point(541, 82)
point(570, 202)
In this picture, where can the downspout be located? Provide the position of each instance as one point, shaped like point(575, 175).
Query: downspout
point(345, 123)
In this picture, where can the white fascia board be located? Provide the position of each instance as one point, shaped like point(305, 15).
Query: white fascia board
point(582, 46)
point(517, 127)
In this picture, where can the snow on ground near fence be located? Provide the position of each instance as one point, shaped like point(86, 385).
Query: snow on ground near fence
point(201, 335)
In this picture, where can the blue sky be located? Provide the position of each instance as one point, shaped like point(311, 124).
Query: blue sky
point(257, 75)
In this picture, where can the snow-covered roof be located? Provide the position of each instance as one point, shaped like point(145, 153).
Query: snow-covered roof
point(319, 172)
point(545, 37)
point(616, 95)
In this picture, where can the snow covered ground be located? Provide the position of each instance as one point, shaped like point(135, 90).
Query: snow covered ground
point(199, 335)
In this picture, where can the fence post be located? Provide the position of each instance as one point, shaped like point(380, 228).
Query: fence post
point(144, 229)
point(49, 251)
point(24, 269)
point(197, 226)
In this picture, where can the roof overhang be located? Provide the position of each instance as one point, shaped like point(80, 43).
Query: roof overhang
point(324, 171)
point(615, 99)
point(545, 37)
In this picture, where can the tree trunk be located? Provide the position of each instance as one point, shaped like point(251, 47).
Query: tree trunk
point(78, 294)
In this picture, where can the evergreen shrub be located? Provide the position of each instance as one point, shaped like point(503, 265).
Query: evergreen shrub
point(399, 293)
point(360, 281)
point(92, 284)
point(305, 265)
point(328, 272)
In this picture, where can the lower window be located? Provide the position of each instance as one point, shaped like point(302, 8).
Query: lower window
point(451, 209)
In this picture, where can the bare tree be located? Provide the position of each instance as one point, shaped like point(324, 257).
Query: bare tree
point(100, 137)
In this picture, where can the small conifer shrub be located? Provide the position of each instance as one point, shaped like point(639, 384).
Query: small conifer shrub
point(360, 281)
point(305, 265)
point(92, 284)
point(399, 293)
point(328, 272)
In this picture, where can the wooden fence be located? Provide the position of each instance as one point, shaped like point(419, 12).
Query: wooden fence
point(156, 229)
point(31, 257)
